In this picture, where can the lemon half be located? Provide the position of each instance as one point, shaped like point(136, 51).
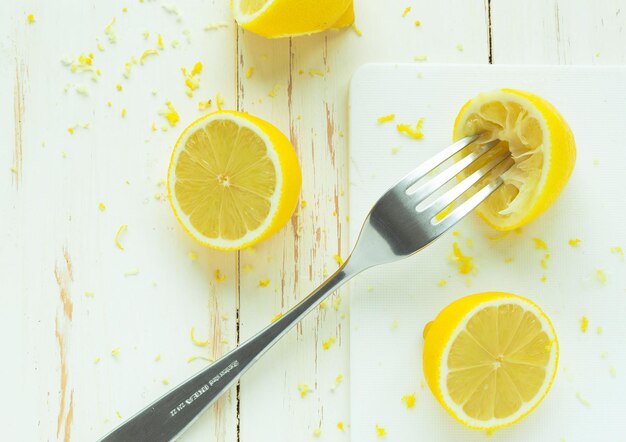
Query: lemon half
point(541, 143)
point(283, 18)
point(490, 358)
point(233, 180)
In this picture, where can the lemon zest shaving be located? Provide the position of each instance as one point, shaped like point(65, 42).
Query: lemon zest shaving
point(96, 360)
point(122, 228)
point(203, 105)
point(409, 400)
point(165, 381)
point(336, 302)
point(465, 264)
point(247, 268)
point(192, 358)
point(264, 282)
point(116, 352)
point(618, 250)
point(219, 276)
point(317, 432)
point(498, 236)
point(340, 425)
point(128, 66)
point(193, 256)
point(417, 22)
point(277, 317)
point(192, 334)
point(147, 53)
point(192, 81)
point(160, 44)
point(249, 72)
point(339, 259)
point(157, 358)
point(89, 294)
point(380, 431)
point(442, 282)
point(540, 244)
point(274, 91)
point(356, 30)
point(316, 72)
point(394, 324)
point(216, 25)
point(219, 101)
point(601, 276)
point(421, 57)
point(326, 344)
point(170, 114)
point(30, 18)
point(109, 31)
point(415, 133)
point(386, 118)
point(123, 113)
point(406, 11)
point(303, 389)
point(117, 413)
point(582, 400)
point(584, 323)
point(574, 242)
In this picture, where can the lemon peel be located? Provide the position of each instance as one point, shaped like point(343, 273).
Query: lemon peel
point(121, 230)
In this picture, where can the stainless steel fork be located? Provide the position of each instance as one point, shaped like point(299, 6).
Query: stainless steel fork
point(403, 221)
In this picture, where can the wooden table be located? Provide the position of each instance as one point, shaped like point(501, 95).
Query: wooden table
point(92, 332)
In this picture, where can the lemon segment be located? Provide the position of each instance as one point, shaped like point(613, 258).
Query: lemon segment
point(233, 180)
point(490, 358)
point(540, 142)
point(283, 18)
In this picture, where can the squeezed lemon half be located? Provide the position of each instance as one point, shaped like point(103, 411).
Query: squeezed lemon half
point(233, 180)
point(490, 358)
point(541, 144)
point(284, 18)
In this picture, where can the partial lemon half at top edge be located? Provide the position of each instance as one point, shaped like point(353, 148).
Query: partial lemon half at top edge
point(233, 180)
point(287, 18)
point(490, 358)
point(541, 143)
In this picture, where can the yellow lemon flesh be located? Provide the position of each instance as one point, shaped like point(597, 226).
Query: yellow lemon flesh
point(490, 358)
point(233, 180)
point(541, 144)
point(284, 18)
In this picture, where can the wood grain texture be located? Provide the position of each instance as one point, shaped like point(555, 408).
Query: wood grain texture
point(51, 183)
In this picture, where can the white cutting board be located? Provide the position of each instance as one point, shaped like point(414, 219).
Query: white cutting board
point(386, 362)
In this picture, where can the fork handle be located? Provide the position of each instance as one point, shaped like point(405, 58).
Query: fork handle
point(171, 414)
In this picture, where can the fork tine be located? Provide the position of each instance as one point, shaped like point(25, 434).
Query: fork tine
point(436, 160)
point(451, 195)
point(471, 203)
point(431, 186)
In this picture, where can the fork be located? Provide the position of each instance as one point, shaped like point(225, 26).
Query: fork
point(402, 222)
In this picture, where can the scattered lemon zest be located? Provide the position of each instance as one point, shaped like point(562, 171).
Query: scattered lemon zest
point(415, 133)
point(173, 10)
point(216, 25)
point(99, 45)
point(192, 334)
point(618, 250)
point(277, 317)
point(116, 352)
point(420, 57)
point(219, 101)
point(601, 276)
point(13, 169)
point(582, 400)
point(326, 344)
point(81, 64)
point(160, 44)
point(544, 278)
point(316, 72)
point(249, 72)
point(574, 242)
point(132, 272)
point(128, 66)
point(219, 276)
point(165, 381)
point(30, 18)
point(406, 11)
point(442, 282)
point(417, 22)
point(274, 91)
point(118, 87)
point(340, 425)
point(456, 233)
point(490, 432)
point(540, 244)
point(193, 256)
point(157, 358)
point(465, 263)
point(224, 316)
point(386, 118)
point(584, 323)
point(123, 113)
point(117, 413)
point(204, 105)
point(170, 114)
point(380, 431)
point(174, 44)
point(613, 371)
point(122, 228)
point(324, 304)
point(147, 53)
point(146, 35)
point(599, 330)
point(192, 358)
point(264, 282)
point(356, 30)
point(460, 47)
point(409, 400)
point(394, 150)
point(508, 260)
point(89, 294)
point(303, 389)
point(109, 31)
point(303, 204)
point(394, 324)
point(317, 432)
point(96, 360)
point(192, 81)
point(339, 259)
point(70, 130)
point(247, 268)
point(336, 302)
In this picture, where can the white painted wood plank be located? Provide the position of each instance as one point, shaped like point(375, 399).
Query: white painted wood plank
point(60, 245)
point(557, 32)
point(312, 110)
